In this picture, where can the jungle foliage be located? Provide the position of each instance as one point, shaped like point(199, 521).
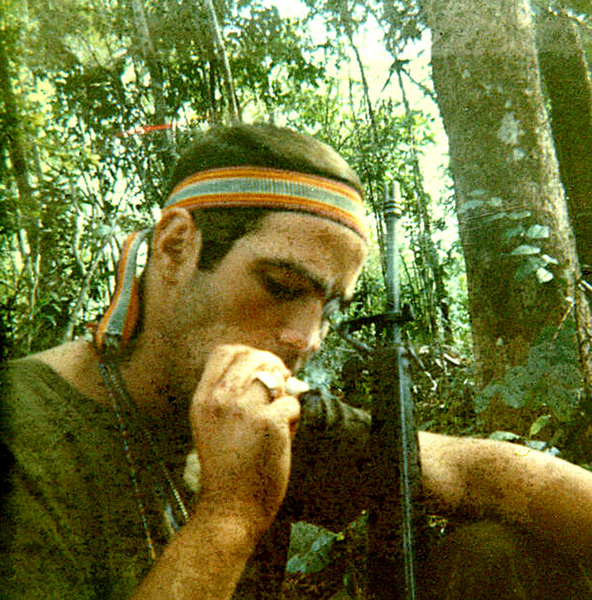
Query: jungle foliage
point(98, 97)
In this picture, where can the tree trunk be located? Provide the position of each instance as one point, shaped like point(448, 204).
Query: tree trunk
point(567, 80)
point(16, 146)
point(514, 227)
point(26, 210)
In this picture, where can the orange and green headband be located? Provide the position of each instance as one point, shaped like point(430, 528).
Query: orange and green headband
point(229, 187)
point(272, 188)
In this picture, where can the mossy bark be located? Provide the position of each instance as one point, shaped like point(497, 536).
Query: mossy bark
point(567, 82)
point(514, 226)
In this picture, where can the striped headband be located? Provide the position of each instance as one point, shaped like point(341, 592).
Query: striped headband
point(231, 187)
point(272, 188)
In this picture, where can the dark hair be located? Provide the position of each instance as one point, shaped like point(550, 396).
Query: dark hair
point(257, 145)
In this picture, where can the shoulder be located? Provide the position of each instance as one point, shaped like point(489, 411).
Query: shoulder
point(26, 382)
point(44, 375)
point(77, 364)
point(53, 437)
point(66, 359)
point(63, 454)
point(41, 402)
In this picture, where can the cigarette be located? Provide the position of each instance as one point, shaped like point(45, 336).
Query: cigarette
point(293, 386)
point(296, 387)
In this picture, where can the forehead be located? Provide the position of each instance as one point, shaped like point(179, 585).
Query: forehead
point(329, 251)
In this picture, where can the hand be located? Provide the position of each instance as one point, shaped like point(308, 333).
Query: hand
point(243, 436)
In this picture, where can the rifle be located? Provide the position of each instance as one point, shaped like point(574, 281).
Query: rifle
point(394, 514)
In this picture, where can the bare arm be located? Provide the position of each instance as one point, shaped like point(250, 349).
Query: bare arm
point(244, 445)
point(204, 561)
point(466, 477)
point(550, 497)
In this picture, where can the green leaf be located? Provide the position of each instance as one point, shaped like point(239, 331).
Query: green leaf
point(525, 250)
point(516, 231)
point(538, 232)
point(317, 558)
point(519, 215)
point(549, 260)
point(505, 436)
point(471, 205)
point(496, 216)
point(543, 275)
point(539, 425)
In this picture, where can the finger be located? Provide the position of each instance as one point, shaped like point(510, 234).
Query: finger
point(219, 361)
point(285, 410)
point(251, 359)
point(228, 356)
point(296, 387)
point(277, 385)
point(273, 381)
point(244, 368)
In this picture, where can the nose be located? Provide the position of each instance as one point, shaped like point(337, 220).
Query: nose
point(301, 330)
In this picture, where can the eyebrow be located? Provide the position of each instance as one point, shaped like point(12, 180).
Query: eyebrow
point(321, 287)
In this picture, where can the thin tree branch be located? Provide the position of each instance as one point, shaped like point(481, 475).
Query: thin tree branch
point(219, 42)
point(83, 294)
point(365, 87)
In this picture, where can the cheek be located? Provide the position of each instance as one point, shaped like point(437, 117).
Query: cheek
point(249, 309)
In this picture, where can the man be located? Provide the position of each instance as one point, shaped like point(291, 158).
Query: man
point(262, 235)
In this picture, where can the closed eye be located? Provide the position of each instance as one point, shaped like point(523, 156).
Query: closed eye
point(281, 291)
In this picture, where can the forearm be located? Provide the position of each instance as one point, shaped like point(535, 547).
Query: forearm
point(243, 438)
point(549, 497)
point(462, 476)
point(204, 561)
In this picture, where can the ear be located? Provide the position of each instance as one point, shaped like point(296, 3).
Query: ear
point(176, 246)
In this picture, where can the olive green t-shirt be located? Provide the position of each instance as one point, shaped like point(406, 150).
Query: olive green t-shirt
point(71, 525)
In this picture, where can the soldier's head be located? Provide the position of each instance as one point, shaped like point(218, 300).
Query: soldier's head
point(262, 234)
